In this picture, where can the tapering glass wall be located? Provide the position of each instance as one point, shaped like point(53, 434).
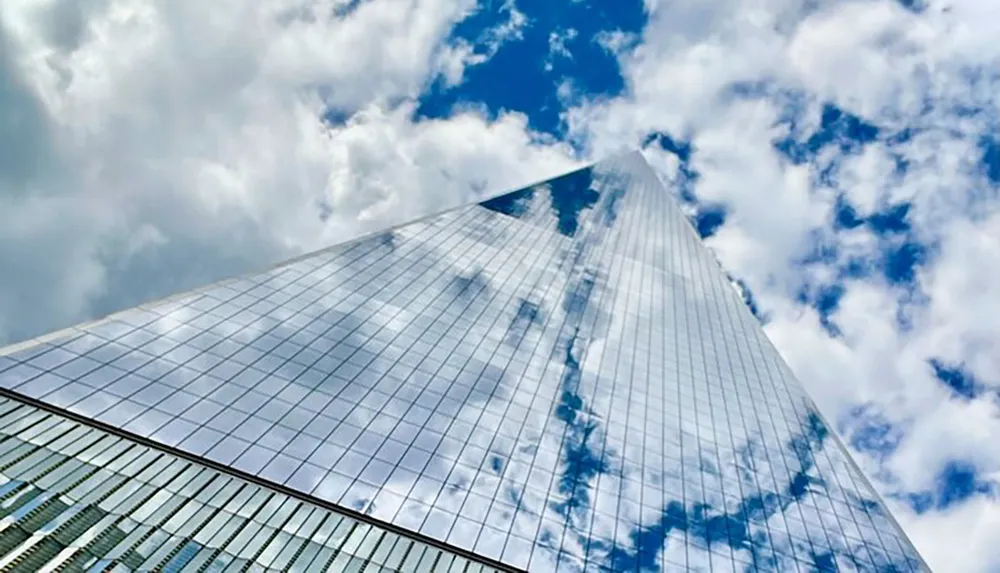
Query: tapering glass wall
point(560, 378)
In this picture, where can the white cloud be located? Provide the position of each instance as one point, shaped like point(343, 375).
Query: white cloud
point(557, 44)
point(961, 539)
point(615, 41)
point(962, 287)
point(492, 39)
point(866, 179)
point(199, 151)
point(865, 70)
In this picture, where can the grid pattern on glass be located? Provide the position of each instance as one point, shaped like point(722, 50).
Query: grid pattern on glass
point(74, 498)
point(559, 378)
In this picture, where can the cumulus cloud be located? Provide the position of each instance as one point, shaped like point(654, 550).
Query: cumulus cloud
point(157, 145)
point(969, 546)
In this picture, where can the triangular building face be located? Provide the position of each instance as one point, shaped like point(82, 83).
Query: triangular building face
point(557, 379)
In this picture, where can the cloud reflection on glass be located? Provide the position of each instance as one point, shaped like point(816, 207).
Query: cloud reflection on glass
point(560, 378)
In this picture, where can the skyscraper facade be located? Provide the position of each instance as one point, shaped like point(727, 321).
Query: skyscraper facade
point(560, 378)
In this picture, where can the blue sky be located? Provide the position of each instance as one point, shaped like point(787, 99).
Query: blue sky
point(841, 159)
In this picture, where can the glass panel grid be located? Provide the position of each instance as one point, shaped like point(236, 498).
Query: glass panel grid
point(74, 497)
point(558, 378)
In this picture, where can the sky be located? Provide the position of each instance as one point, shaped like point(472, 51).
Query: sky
point(841, 160)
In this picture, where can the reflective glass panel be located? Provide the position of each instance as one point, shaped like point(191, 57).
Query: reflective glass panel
point(559, 378)
point(76, 498)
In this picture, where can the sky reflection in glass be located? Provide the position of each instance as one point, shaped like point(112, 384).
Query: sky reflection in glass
point(559, 378)
point(76, 498)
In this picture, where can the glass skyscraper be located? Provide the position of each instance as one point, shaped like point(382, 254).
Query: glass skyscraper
point(560, 378)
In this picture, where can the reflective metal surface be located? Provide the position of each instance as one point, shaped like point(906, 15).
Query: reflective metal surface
point(560, 378)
